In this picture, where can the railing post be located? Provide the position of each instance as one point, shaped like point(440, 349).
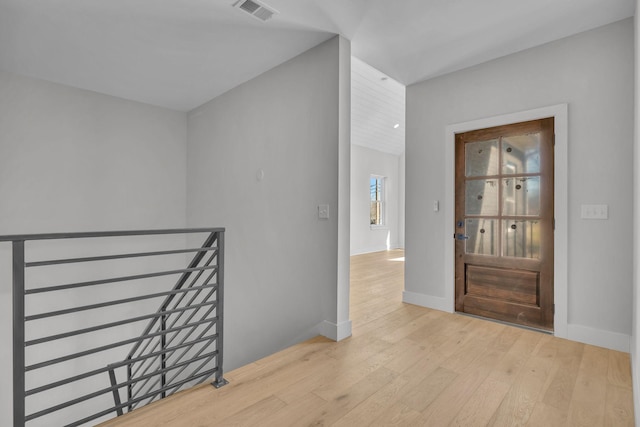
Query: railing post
point(129, 386)
point(163, 356)
point(116, 391)
point(18, 334)
point(219, 378)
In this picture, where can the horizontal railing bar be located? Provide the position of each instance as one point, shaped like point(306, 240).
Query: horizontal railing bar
point(193, 374)
point(169, 354)
point(114, 345)
point(176, 386)
point(175, 319)
point(111, 389)
point(200, 381)
point(138, 399)
point(120, 256)
point(157, 372)
point(179, 285)
point(114, 324)
point(117, 365)
point(182, 340)
point(116, 280)
point(114, 302)
point(82, 235)
point(175, 375)
point(197, 370)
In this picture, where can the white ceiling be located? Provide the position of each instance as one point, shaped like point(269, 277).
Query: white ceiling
point(181, 53)
point(377, 106)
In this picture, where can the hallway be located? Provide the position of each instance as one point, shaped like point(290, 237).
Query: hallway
point(412, 366)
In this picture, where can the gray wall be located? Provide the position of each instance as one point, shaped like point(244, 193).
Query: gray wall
point(74, 160)
point(593, 73)
point(635, 342)
point(364, 163)
point(402, 199)
point(261, 158)
point(77, 160)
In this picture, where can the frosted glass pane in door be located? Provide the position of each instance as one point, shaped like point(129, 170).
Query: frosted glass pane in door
point(521, 238)
point(481, 158)
point(481, 197)
point(521, 196)
point(521, 154)
point(482, 236)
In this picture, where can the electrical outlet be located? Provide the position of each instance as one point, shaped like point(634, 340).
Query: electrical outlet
point(594, 211)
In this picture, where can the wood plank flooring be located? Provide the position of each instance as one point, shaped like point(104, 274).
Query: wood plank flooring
point(410, 366)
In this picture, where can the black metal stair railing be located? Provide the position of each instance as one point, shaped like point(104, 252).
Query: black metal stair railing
point(180, 346)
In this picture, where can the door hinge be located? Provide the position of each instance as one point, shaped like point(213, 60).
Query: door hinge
point(554, 223)
point(554, 309)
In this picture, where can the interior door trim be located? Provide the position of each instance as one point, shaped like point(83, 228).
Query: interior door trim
point(561, 236)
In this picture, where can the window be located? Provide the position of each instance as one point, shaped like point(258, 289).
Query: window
point(376, 187)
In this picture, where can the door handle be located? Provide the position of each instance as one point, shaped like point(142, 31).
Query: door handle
point(460, 236)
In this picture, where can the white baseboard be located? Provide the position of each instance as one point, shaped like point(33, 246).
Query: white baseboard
point(336, 332)
point(583, 334)
point(636, 384)
point(370, 249)
point(599, 337)
point(429, 301)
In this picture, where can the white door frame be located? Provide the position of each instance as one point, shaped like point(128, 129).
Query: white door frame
point(561, 193)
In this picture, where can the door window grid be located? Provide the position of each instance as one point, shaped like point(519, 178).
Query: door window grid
point(502, 197)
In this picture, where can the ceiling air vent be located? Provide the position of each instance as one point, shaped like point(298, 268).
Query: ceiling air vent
point(256, 9)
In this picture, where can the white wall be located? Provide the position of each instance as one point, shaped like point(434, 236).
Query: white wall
point(261, 158)
point(593, 73)
point(635, 342)
point(364, 163)
point(402, 161)
point(77, 160)
point(341, 329)
point(74, 160)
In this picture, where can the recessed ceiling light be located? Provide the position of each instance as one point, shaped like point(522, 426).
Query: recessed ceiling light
point(396, 126)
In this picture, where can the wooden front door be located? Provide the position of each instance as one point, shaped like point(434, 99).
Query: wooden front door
point(504, 223)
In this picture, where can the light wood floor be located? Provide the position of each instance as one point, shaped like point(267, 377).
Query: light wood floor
point(407, 365)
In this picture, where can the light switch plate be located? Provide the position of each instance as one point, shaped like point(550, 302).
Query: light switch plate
point(323, 211)
point(594, 211)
